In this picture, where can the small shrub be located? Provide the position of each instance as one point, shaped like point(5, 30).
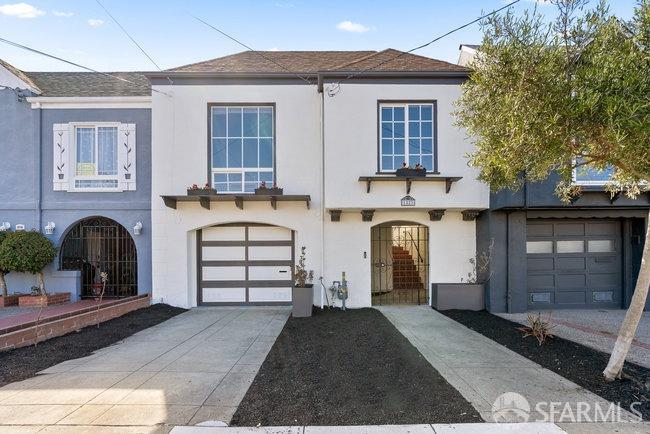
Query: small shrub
point(538, 328)
point(27, 252)
point(302, 276)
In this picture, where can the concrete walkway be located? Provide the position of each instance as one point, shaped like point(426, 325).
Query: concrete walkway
point(482, 370)
point(192, 368)
point(597, 329)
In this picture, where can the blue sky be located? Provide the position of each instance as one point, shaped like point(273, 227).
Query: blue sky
point(79, 30)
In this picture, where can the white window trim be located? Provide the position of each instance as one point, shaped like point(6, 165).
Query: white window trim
point(405, 105)
point(242, 169)
point(73, 160)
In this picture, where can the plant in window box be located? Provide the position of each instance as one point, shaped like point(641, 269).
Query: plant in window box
point(411, 172)
point(302, 293)
point(195, 190)
point(264, 189)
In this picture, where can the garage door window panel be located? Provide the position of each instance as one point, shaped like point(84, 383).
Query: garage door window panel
point(600, 246)
point(539, 247)
point(570, 246)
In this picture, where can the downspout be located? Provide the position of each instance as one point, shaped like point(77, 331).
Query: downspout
point(322, 187)
point(39, 219)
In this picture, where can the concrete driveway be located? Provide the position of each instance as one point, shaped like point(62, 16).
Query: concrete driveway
point(195, 367)
point(597, 329)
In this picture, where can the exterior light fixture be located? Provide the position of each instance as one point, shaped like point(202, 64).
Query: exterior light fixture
point(137, 229)
point(49, 228)
point(5, 226)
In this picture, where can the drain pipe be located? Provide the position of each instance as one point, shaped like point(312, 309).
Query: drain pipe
point(322, 193)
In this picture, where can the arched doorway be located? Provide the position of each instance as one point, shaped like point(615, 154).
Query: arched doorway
point(400, 263)
point(99, 244)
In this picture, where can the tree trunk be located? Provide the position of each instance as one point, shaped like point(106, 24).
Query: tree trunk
point(41, 283)
point(3, 284)
point(633, 315)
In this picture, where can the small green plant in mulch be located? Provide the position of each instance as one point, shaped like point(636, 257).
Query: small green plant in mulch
point(537, 327)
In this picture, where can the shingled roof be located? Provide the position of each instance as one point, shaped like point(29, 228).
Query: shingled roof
point(312, 62)
point(90, 84)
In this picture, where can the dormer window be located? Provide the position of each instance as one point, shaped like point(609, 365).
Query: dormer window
point(588, 175)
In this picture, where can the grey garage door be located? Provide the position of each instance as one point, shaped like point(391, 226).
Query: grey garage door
point(244, 264)
point(574, 264)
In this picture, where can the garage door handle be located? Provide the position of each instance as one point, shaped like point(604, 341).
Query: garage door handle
point(283, 271)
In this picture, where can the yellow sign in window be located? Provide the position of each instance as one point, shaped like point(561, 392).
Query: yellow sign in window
point(86, 169)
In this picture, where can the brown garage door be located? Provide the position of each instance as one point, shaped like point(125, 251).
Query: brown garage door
point(574, 264)
point(244, 264)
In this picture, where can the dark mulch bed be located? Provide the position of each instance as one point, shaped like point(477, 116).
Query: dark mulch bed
point(25, 362)
point(348, 368)
point(578, 363)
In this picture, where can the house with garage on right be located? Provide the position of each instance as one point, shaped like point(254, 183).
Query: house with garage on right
point(585, 255)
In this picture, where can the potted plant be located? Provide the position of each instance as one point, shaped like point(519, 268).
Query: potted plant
point(302, 293)
point(411, 172)
point(5, 298)
point(469, 294)
point(30, 252)
point(264, 189)
point(195, 190)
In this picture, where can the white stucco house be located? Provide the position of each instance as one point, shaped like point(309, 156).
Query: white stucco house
point(329, 128)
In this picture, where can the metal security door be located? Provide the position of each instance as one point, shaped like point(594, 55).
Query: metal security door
point(400, 266)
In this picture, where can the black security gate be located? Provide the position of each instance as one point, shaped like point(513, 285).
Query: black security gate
point(400, 264)
point(97, 245)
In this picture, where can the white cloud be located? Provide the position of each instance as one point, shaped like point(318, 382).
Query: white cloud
point(283, 5)
point(21, 10)
point(349, 26)
point(62, 14)
point(95, 23)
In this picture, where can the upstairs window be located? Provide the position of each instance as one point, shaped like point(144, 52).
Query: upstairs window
point(587, 175)
point(94, 156)
point(242, 147)
point(407, 135)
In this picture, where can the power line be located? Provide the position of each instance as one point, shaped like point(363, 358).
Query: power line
point(128, 35)
point(51, 56)
point(232, 38)
point(419, 47)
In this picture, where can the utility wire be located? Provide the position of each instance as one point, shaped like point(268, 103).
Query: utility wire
point(232, 38)
point(51, 56)
point(128, 35)
point(419, 47)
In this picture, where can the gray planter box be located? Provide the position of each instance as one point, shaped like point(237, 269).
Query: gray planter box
point(302, 300)
point(467, 296)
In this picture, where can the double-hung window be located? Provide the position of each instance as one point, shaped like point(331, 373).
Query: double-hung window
point(242, 144)
point(96, 157)
point(407, 135)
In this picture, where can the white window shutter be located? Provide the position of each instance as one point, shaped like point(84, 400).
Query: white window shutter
point(126, 153)
point(61, 158)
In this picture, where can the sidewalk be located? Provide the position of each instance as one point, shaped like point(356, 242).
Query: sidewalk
point(482, 370)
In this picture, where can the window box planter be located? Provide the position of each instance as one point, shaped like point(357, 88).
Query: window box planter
point(10, 300)
point(411, 173)
point(43, 300)
point(466, 296)
point(302, 299)
point(201, 192)
point(274, 191)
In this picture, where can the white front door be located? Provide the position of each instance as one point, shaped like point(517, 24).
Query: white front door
point(245, 264)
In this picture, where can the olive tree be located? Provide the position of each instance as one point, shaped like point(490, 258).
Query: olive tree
point(563, 94)
point(27, 252)
point(3, 272)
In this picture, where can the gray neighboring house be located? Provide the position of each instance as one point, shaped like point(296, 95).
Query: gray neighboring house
point(76, 165)
point(549, 255)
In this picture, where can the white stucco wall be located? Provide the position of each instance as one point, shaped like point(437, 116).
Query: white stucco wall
point(179, 159)
point(351, 150)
